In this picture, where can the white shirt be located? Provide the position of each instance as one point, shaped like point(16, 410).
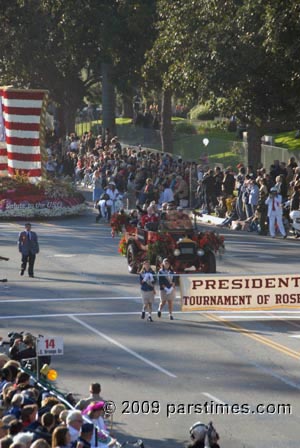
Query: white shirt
point(74, 145)
point(113, 194)
point(277, 205)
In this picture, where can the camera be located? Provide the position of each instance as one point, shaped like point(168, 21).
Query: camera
point(25, 351)
point(13, 336)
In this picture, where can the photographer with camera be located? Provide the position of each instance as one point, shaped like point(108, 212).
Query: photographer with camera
point(274, 203)
point(203, 436)
point(23, 349)
point(23, 346)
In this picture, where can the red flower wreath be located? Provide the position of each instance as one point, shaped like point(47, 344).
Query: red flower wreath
point(118, 220)
point(211, 241)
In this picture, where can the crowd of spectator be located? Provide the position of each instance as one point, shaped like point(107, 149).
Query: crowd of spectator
point(31, 416)
point(140, 176)
point(243, 197)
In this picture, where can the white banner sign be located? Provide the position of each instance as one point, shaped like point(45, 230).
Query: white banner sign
point(259, 292)
point(50, 345)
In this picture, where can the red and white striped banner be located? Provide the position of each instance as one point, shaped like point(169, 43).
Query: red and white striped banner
point(24, 118)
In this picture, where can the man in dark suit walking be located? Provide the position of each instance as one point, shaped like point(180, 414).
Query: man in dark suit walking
point(28, 247)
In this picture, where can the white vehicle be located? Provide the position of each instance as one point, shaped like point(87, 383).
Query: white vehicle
point(295, 217)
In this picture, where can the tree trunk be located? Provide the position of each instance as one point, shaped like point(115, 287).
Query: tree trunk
point(127, 101)
point(66, 119)
point(166, 124)
point(61, 127)
point(67, 110)
point(108, 100)
point(69, 119)
point(254, 135)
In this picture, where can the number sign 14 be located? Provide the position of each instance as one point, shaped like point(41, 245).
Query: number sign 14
point(49, 345)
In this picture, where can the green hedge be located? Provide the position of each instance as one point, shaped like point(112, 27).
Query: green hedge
point(202, 112)
point(184, 127)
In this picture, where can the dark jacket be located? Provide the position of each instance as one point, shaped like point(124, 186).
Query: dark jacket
point(147, 286)
point(84, 443)
point(209, 184)
point(229, 184)
point(27, 245)
point(295, 200)
point(163, 278)
point(18, 355)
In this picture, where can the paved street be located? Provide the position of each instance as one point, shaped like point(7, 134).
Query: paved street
point(82, 292)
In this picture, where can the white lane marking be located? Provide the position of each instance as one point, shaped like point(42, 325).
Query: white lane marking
point(248, 256)
point(273, 317)
point(238, 313)
point(116, 313)
point(54, 228)
point(294, 335)
point(257, 243)
point(276, 375)
point(229, 314)
point(123, 347)
point(39, 316)
point(266, 371)
point(62, 255)
point(213, 398)
point(71, 299)
point(265, 256)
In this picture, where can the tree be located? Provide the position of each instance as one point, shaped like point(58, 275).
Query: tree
point(166, 124)
point(61, 46)
point(155, 68)
point(224, 49)
point(42, 47)
point(127, 34)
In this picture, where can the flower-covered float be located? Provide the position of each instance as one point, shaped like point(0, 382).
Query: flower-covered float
point(173, 237)
point(24, 190)
point(47, 198)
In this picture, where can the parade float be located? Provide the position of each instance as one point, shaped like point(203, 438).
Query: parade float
point(174, 236)
point(25, 192)
point(19, 198)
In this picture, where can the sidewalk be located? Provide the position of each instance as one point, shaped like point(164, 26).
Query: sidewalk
point(209, 219)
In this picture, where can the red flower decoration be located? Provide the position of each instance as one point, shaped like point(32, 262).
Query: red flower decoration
point(117, 222)
point(211, 241)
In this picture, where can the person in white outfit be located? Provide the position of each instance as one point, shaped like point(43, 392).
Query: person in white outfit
point(113, 194)
point(274, 202)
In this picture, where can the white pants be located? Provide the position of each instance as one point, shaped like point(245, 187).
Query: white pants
point(272, 219)
point(102, 205)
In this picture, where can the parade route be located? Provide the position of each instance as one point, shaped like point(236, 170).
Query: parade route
point(83, 293)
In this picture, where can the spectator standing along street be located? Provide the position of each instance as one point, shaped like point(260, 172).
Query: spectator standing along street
point(95, 389)
point(28, 247)
point(97, 187)
point(273, 202)
point(209, 192)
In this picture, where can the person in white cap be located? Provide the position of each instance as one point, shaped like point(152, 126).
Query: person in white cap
point(274, 203)
point(113, 194)
point(167, 288)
